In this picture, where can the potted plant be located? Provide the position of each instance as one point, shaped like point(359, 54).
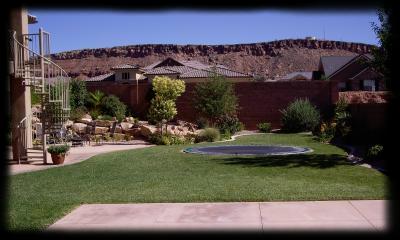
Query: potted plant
point(58, 153)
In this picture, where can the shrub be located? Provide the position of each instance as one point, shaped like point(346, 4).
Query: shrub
point(77, 113)
point(94, 99)
point(95, 114)
point(264, 127)
point(78, 93)
point(112, 106)
point(326, 132)
point(228, 124)
point(215, 97)
point(167, 139)
point(127, 137)
point(374, 152)
point(58, 149)
point(342, 118)
point(300, 116)
point(208, 135)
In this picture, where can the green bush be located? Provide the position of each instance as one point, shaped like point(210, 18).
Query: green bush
point(300, 116)
point(167, 139)
point(229, 124)
point(208, 135)
point(94, 113)
point(58, 149)
point(375, 152)
point(264, 127)
point(342, 118)
point(78, 93)
point(326, 132)
point(111, 105)
point(77, 113)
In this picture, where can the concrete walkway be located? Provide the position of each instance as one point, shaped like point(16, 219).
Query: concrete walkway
point(75, 155)
point(363, 215)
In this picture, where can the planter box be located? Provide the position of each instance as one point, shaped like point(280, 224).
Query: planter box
point(58, 158)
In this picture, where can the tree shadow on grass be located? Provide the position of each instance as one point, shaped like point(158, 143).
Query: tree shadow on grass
point(321, 161)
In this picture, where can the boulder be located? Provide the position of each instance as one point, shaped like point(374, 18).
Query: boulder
point(84, 120)
point(101, 130)
point(119, 135)
point(68, 123)
point(146, 130)
point(118, 129)
point(126, 125)
point(133, 132)
point(87, 116)
point(79, 127)
point(104, 123)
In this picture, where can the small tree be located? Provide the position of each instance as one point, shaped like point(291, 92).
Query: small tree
point(215, 98)
point(95, 99)
point(78, 93)
point(384, 34)
point(163, 105)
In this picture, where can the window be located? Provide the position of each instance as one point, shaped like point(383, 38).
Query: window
point(369, 85)
point(125, 75)
point(342, 86)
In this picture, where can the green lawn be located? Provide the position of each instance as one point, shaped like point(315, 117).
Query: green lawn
point(165, 174)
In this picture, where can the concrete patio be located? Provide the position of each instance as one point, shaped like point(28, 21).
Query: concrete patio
point(75, 155)
point(360, 215)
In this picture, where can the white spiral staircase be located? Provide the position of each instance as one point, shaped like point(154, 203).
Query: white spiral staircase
point(32, 63)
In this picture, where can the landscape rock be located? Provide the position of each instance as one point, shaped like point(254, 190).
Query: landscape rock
point(118, 129)
point(104, 123)
point(126, 125)
point(79, 127)
point(146, 130)
point(101, 130)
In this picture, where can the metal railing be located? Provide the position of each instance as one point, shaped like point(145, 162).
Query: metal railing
point(31, 61)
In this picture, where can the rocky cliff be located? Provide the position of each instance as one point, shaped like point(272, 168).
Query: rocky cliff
point(270, 59)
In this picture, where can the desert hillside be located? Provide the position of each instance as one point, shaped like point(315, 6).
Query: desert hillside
point(270, 59)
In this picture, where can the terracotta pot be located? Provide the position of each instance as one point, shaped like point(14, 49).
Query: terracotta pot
point(58, 158)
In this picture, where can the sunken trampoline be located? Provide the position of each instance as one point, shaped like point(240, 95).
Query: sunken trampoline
point(258, 150)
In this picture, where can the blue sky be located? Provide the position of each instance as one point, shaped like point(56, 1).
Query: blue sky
point(79, 29)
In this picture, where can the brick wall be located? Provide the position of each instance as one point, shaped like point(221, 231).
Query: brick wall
point(258, 101)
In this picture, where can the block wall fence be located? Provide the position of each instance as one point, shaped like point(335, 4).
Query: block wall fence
point(258, 101)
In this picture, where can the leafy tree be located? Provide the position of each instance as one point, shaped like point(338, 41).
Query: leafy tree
point(78, 93)
point(166, 92)
point(95, 99)
point(215, 97)
point(385, 37)
point(167, 88)
point(161, 109)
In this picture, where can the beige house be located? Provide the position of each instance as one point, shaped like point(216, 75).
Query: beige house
point(189, 71)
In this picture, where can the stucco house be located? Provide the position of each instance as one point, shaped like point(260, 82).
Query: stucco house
point(352, 73)
point(188, 70)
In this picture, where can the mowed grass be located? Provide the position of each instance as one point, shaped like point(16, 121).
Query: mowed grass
point(165, 174)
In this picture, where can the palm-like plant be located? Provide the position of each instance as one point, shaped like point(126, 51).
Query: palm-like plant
point(95, 99)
